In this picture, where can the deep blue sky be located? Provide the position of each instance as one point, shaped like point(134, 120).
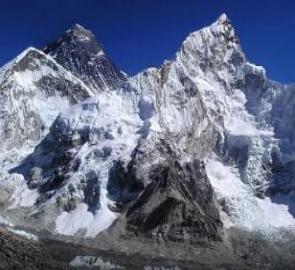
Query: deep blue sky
point(142, 33)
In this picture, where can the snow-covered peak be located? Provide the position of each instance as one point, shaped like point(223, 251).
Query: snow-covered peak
point(26, 54)
point(78, 35)
point(32, 66)
point(223, 22)
point(79, 32)
point(79, 27)
point(223, 18)
point(214, 49)
point(221, 32)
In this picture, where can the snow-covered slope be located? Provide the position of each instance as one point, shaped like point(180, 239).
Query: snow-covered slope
point(28, 83)
point(70, 168)
point(171, 152)
point(34, 89)
point(207, 97)
point(211, 89)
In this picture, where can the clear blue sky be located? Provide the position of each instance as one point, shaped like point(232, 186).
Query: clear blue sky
point(142, 33)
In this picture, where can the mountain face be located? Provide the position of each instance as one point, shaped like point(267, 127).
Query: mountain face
point(26, 83)
point(78, 51)
point(34, 89)
point(179, 153)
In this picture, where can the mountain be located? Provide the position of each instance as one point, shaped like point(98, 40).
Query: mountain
point(196, 152)
point(78, 51)
point(26, 83)
point(34, 89)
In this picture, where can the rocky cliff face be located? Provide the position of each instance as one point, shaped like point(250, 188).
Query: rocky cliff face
point(175, 153)
point(78, 51)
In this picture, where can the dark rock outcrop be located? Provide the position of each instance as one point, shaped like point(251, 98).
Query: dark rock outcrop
point(177, 205)
point(78, 51)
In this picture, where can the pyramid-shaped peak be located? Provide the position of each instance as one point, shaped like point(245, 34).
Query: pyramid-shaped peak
point(81, 32)
point(78, 51)
point(224, 26)
point(220, 34)
point(223, 18)
point(78, 27)
point(78, 38)
point(220, 27)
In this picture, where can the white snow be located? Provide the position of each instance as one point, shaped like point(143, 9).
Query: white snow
point(69, 223)
point(23, 196)
point(92, 261)
point(49, 107)
point(256, 69)
point(101, 221)
point(28, 197)
point(25, 234)
point(28, 77)
point(5, 222)
point(243, 209)
point(111, 112)
point(80, 219)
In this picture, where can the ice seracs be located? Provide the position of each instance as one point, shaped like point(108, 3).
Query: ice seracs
point(242, 209)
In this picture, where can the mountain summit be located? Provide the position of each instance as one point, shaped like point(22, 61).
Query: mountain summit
point(79, 52)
